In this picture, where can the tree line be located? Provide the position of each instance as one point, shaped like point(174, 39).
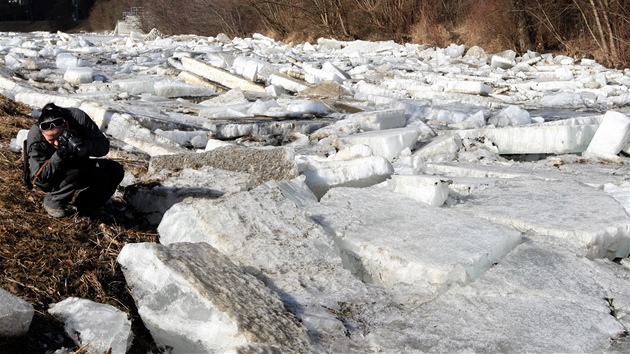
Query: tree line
point(594, 28)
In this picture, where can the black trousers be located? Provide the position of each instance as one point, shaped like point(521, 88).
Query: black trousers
point(95, 179)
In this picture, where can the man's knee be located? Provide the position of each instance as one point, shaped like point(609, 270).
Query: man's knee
point(118, 172)
point(71, 177)
point(114, 170)
point(46, 187)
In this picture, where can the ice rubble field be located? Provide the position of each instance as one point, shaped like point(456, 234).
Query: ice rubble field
point(353, 196)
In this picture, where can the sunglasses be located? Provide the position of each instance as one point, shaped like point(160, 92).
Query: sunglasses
point(52, 124)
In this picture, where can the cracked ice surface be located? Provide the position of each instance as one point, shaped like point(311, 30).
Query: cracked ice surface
point(432, 246)
point(538, 299)
point(559, 209)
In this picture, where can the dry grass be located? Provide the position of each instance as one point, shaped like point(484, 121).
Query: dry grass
point(45, 260)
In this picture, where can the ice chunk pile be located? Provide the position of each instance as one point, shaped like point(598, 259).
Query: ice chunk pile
point(355, 196)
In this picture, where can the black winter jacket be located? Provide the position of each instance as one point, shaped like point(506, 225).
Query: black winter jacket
point(39, 150)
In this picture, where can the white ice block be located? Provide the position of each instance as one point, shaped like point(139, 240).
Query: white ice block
point(387, 143)
point(544, 298)
point(430, 190)
point(468, 87)
point(219, 75)
point(333, 68)
point(78, 75)
point(175, 88)
point(315, 108)
point(475, 121)
point(69, 60)
point(16, 144)
point(612, 136)
point(539, 139)
point(100, 328)
point(252, 69)
point(40, 99)
point(315, 75)
point(15, 315)
point(137, 85)
point(195, 79)
point(441, 148)
point(510, 116)
point(175, 186)
point(99, 113)
point(359, 172)
point(503, 60)
point(379, 120)
point(288, 83)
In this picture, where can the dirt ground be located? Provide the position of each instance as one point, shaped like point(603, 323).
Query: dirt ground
point(45, 260)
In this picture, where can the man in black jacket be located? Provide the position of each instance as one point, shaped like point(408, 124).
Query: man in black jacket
point(59, 148)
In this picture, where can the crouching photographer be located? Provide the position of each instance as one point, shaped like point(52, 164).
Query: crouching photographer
point(62, 150)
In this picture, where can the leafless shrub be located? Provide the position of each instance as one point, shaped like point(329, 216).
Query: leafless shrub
point(434, 22)
point(484, 24)
point(203, 17)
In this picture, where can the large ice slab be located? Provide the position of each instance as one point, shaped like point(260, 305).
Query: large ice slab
point(387, 143)
point(441, 148)
point(379, 120)
point(252, 69)
point(176, 88)
point(219, 75)
point(137, 85)
point(430, 190)
point(193, 299)
point(15, 315)
point(539, 299)
point(578, 214)
point(612, 136)
point(288, 83)
point(98, 328)
point(126, 128)
point(363, 171)
point(263, 164)
point(152, 199)
point(267, 234)
point(401, 240)
point(468, 87)
point(539, 139)
point(39, 99)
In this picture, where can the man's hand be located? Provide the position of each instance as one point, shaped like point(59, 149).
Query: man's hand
point(63, 152)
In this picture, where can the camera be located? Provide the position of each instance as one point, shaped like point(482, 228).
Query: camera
point(72, 143)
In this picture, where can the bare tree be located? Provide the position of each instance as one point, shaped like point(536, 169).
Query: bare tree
point(205, 17)
point(524, 29)
point(572, 23)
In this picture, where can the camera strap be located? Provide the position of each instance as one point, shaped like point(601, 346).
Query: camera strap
point(25, 167)
point(39, 171)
